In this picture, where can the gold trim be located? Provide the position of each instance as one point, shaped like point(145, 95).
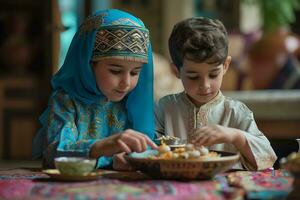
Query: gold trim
point(91, 23)
point(133, 59)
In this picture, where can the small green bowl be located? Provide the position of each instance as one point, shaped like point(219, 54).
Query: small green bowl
point(75, 165)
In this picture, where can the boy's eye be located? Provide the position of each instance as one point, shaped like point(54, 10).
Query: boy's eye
point(193, 77)
point(213, 76)
point(114, 71)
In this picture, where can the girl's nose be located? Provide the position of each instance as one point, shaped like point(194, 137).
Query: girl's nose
point(125, 82)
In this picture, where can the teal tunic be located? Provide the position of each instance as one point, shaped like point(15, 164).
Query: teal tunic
point(73, 126)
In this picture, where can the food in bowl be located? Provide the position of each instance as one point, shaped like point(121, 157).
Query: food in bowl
point(189, 151)
point(160, 164)
point(75, 165)
point(170, 140)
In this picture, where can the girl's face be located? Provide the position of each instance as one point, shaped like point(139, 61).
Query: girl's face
point(202, 81)
point(116, 78)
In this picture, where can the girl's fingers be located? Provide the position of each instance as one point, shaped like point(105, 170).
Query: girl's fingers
point(120, 163)
point(144, 138)
point(123, 146)
point(144, 144)
point(151, 143)
point(125, 163)
point(138, 142)
point(121, 158)
point(134, 141)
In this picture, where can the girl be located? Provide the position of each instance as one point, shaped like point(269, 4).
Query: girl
point(102, 99)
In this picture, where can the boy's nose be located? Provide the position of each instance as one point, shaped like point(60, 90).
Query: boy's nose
point(204, 84)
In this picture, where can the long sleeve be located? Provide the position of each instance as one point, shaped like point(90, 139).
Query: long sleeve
point(62, 133)
point(260, 146)
point(159, 121)
point(73, 126)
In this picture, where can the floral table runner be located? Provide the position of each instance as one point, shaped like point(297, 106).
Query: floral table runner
point(32, 184)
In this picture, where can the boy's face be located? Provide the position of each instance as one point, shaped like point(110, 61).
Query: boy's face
point(202, 81)
point(116, 78)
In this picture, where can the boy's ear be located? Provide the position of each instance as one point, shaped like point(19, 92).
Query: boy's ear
point(175, 70)
point(226, 64)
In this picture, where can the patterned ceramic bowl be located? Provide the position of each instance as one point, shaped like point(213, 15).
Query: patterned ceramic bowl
point(184, 169)
point(170, 140)
point(75, 165)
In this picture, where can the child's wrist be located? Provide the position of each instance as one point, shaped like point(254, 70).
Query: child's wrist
point(97, 150)
point(237, 138)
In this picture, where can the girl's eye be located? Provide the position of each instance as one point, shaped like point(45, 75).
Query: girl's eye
point(113, 71)
point(134, 73)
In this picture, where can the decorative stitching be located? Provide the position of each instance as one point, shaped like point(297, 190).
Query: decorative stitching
point(123, 42)
point(125, 21)
point(91, 23)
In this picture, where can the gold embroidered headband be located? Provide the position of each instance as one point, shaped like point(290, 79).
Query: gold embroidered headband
point(122, 39)
point(124, 42)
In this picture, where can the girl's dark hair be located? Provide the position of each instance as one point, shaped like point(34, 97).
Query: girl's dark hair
point(198, 39)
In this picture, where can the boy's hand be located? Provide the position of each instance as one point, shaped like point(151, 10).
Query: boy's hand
point(127, 141)
point(214, 134)
point(120, 163)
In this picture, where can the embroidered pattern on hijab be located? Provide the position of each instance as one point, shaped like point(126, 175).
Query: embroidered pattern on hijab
point(91, 23)
point(125, 37)
point(110, 42)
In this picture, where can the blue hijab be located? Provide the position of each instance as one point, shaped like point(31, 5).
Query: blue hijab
point(106, 34)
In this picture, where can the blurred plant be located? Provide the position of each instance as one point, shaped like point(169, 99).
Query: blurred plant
point(276, 13)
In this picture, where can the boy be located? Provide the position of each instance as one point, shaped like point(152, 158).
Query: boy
point(201, 114)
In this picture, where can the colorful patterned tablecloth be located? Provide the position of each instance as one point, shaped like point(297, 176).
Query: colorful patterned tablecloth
point(262, 185)
point(32, 184)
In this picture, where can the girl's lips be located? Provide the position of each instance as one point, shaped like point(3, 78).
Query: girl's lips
point(121, 92)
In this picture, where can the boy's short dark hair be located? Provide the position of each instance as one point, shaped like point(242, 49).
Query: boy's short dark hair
point(198, 39)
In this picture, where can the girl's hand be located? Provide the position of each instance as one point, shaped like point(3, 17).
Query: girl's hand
point(120, 163)
point(214, 134)
point(127, 141)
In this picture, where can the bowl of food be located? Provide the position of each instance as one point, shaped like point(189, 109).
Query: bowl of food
point(172, 141)
point(184, 163)
point(75, 165)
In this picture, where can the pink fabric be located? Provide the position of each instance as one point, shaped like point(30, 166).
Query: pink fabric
point(109, 189)
point(12, 189)
point(35, 185)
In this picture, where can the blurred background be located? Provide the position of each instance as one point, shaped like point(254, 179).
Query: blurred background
point(263, 41)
